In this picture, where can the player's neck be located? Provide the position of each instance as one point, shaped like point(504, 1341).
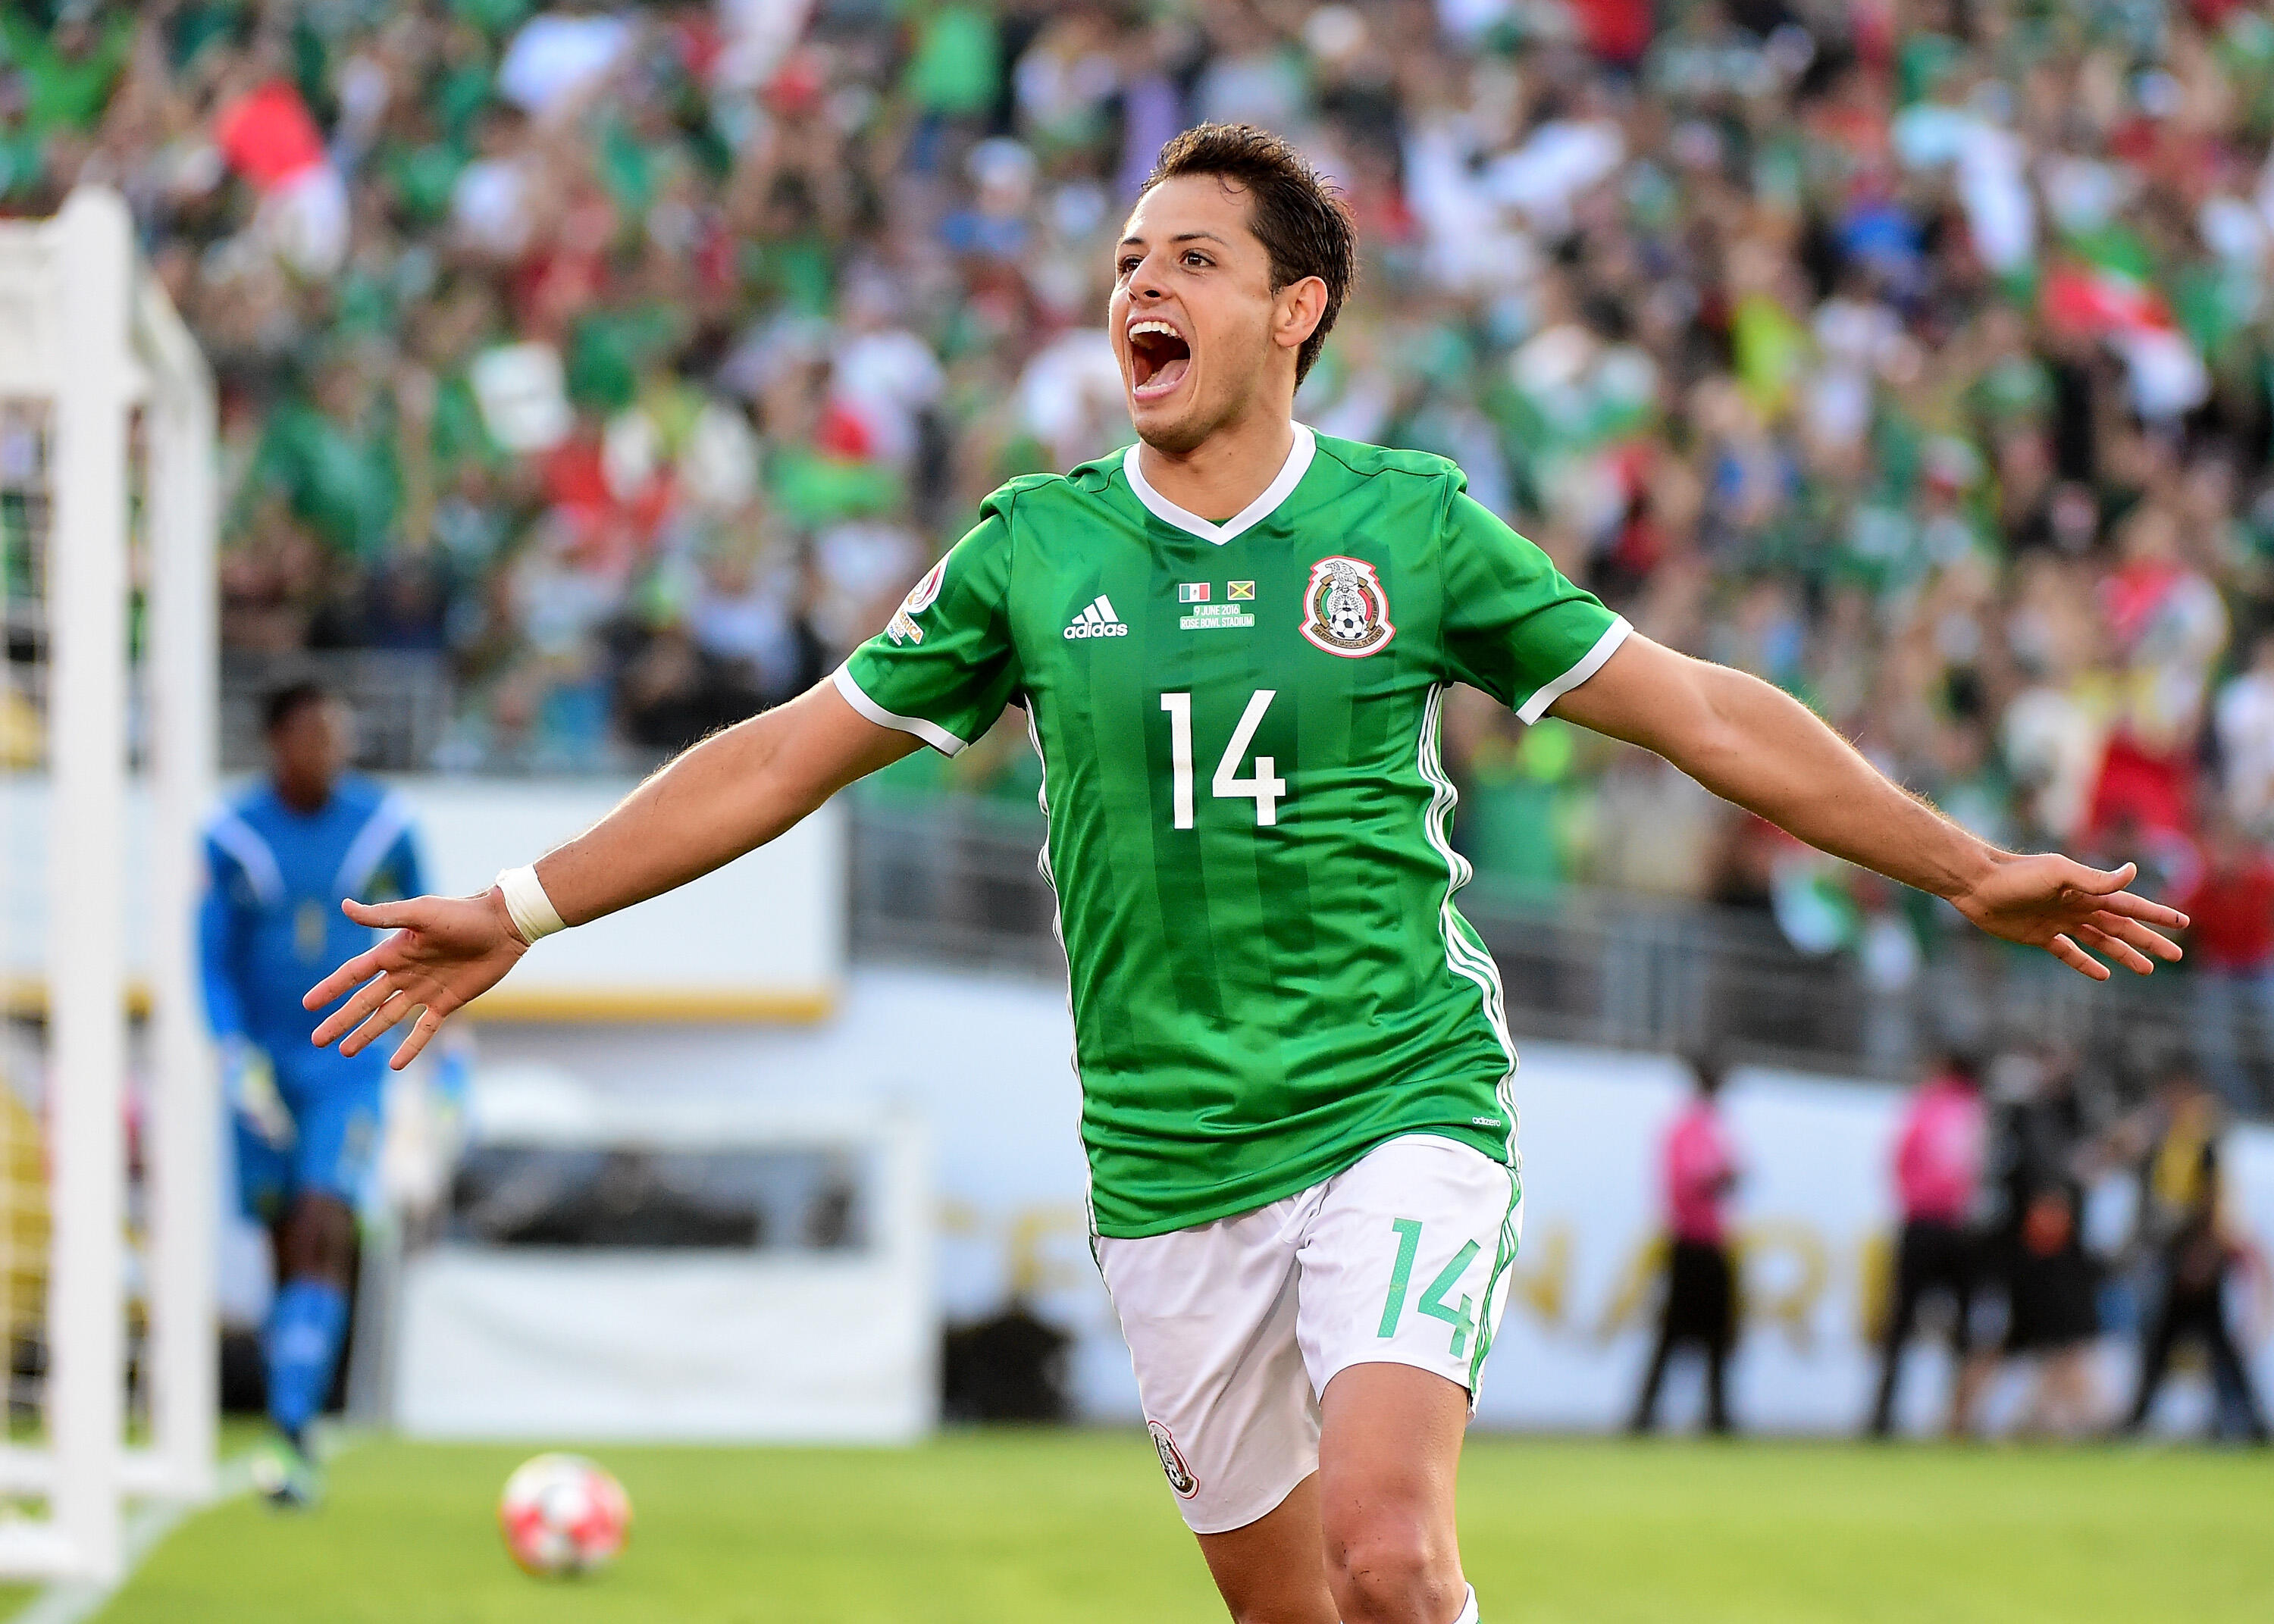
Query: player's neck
point(1217, 478)
point(307, 797)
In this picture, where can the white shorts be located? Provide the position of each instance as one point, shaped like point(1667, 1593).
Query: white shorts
point(1235, 1327)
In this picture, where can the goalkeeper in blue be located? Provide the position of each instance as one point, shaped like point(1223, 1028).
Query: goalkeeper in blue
point(280, 858)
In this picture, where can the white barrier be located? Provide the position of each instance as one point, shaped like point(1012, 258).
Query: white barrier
point(709, 1344)
point(983, 1061)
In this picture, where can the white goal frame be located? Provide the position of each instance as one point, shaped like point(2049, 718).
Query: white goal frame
point(86, 330)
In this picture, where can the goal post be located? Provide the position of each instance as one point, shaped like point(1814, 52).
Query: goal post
point(123, 405)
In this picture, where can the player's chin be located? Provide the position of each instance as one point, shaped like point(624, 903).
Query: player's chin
point(1174, 426)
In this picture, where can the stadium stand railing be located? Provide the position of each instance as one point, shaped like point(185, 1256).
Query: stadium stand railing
point(402, 700)
point(957, 883)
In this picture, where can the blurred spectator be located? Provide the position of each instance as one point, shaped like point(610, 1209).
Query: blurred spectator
point(2038, 1161)
point(1699, 1309)
point(2182, 1218)
point(1938, 1161)
point(2231, 937)
point(2246, 740)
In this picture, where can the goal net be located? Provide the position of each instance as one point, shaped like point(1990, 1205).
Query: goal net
point(108, 1123)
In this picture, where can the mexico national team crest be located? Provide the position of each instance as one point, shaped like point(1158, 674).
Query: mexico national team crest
point(1173, 1461)
point(1345, 612)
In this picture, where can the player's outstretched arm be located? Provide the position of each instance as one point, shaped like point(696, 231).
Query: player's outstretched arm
point(728, 795)
point(1751, 743)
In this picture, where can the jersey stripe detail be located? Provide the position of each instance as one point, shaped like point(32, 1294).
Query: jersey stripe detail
point(1057, 929)
point(1290, 475)
point(1533, 709)
point(1466, 958)
point(371, 843)
point(243, 842)
point(931, 732)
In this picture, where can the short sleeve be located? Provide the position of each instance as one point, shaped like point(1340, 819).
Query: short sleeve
point(1514, 627)
point(944, 667)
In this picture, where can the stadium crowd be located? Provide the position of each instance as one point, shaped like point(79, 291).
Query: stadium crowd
point(629, 360)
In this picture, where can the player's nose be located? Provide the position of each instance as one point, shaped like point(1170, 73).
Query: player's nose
point(1145, 283)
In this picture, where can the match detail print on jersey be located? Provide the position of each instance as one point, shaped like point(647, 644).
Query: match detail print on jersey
point(1247, 822)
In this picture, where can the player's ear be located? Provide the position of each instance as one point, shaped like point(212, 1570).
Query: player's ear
point(1301, 306)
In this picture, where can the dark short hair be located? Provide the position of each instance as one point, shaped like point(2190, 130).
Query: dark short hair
point(287, 702)
point(1298, 214)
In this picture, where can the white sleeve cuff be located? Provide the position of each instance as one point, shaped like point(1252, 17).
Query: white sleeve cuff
point(1590, 663)
point(931, 732)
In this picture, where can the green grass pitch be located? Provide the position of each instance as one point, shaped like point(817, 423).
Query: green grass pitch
point(1075, 1528)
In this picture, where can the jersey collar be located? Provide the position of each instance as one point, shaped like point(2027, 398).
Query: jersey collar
point(1290, 475)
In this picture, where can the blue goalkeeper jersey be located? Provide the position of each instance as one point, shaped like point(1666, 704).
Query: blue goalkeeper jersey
point(270, 927)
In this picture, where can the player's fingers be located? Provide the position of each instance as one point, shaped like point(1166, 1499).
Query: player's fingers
point(2077, 959)
point(345, 1018)
point(429, 1022)
point(2153, 942)
point(382, 1019)
point(2097, 882)
point(2138, 907)
point(348, 976)
point(2112, 946)
point(410, 913)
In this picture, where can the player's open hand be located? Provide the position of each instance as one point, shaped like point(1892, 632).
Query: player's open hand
point(446, 952)
point(2066, 909)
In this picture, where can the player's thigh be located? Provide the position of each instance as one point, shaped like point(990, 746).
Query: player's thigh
point(1389, 1454)
point(264, 1171)
point(1271, 1571)
point(339, 1108)
point(1403, 1281)
point(1208, 1313)
point(1406, 1260)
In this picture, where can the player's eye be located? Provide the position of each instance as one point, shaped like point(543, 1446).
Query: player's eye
point(1194, 256)
point(1128, 264)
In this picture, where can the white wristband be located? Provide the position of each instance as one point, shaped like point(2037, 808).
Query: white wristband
point(532, 911)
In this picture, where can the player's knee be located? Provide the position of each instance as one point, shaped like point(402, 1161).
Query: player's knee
point(319, 1238)
point(1387, 1567)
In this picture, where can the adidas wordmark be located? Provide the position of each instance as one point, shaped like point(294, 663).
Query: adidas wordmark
point(1098, 620)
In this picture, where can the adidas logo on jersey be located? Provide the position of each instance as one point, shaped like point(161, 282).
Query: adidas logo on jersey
point(1098, 620)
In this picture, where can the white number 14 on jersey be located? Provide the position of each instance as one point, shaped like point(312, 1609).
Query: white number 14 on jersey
point(1263, 786)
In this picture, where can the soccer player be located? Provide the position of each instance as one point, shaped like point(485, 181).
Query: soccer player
point(280, 859)
point(1232, 644)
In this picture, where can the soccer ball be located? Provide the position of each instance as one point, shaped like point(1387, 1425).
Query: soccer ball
point(561, 1514)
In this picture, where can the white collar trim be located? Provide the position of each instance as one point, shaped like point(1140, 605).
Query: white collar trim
point(1290, 475)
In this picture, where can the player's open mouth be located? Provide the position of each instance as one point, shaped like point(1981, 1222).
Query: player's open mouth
point(1159, 356)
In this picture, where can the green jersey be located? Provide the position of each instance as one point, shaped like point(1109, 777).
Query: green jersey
point(1249, 822)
